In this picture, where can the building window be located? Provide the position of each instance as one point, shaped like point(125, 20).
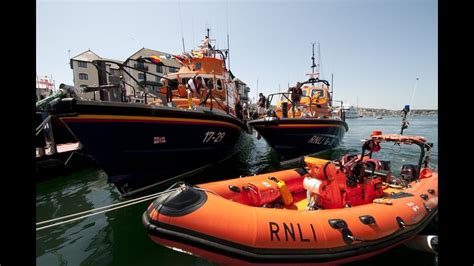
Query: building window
point(82, 64)
point(113, 72)
point(157, 79)
point(172, 70)
point(83, 76)
point(140, 65)
point(159, 69)
point(141, 76)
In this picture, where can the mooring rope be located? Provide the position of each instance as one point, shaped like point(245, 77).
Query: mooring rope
point(107, 208)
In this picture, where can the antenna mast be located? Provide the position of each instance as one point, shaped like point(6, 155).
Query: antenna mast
point(181, 23)
point(319, 60)
point(228, 47)
point(228, 51)
point(332, 88)
point(314, 65)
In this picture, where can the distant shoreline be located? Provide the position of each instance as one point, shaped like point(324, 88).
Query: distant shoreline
point(386, 112)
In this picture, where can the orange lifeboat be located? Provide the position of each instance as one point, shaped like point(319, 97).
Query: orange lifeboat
point(325, 212)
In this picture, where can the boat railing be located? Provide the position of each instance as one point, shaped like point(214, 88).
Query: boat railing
point(313, 80)
point(101, 67)
point(425, 149)
point(212, 97)
point(342, 114)
point(172, 83)
point(41, 126)
point(286, 96)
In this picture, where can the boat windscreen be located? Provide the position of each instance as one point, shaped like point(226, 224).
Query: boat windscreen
point(317, 93)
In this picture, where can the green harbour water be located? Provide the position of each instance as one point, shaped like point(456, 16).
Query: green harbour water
point(119, 238)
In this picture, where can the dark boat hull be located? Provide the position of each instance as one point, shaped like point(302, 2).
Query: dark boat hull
point(141, 146)
point(292, 137)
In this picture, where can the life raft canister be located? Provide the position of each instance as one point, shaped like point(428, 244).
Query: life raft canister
point(285, 194)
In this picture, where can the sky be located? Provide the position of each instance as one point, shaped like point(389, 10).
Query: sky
point(375, 49)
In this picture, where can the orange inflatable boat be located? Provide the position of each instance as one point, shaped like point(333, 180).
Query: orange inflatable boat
point(325, 212)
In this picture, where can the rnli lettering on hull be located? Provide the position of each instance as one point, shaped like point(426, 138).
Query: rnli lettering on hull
point(321, 140)
point(291, 232)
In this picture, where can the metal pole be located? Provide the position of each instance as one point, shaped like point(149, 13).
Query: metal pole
point(319, 61)
point(181, 23)
point(228, 50)
point(257, 90)
point(51, 138)
point(144, 83)
point(332, 88)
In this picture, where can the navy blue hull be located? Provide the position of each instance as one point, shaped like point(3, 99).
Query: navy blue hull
point(292, 137)
point(139, 149)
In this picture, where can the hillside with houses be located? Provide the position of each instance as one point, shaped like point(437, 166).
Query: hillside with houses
point(368, 112)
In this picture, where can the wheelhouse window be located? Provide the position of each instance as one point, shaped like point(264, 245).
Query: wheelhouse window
point(209, 83)
point(317, 93)
point(83, 76)
point(219, 85)
point(82, 64)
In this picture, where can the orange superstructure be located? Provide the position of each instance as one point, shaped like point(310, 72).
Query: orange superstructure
point(315, 101)
point(209, 64)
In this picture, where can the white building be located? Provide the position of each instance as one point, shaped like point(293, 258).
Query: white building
point(243, 90)
point(152, 82)
point(86, 74)
point(44, 87)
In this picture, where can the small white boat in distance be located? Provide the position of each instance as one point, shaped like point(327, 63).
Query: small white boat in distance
point(349, 110)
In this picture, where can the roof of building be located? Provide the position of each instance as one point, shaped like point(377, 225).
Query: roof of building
point(114, 60)
point(237, 80)
point(149, 52)
point(87, 56)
